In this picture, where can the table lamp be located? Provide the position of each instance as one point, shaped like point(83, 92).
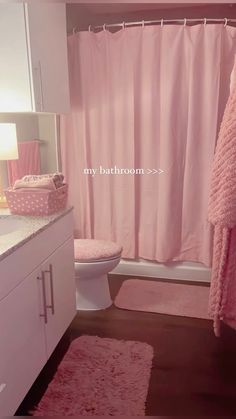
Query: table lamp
point(8, 151)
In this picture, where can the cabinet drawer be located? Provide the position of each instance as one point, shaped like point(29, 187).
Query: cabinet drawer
point(15, 267)
point(22, 343)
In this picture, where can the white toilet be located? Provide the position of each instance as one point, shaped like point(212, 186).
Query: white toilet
point(93, 260)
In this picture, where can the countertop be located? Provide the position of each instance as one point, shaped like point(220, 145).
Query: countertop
point(29, 228)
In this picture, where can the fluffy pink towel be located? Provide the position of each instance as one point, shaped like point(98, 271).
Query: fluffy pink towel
point(39, 183)
point(56, 177)
point(50, 181)
point(28, 162)
point(29, 190)
point(222, 214)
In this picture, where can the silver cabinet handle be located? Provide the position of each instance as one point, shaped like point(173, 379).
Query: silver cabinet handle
point(50, 271)
point(42, 278)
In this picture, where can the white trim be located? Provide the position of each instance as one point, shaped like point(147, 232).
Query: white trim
point(29, 56)
point(57, 141)
point(185, 271)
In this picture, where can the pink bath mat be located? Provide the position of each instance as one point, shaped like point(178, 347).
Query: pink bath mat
point(99, 376)
point(164, 298)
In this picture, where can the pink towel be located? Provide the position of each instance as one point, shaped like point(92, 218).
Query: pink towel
point(39, 183)
point(222, 214)
point(56, 177)
point(28, 162)
point(47, 181)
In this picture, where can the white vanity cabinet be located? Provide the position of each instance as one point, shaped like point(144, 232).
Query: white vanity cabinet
point(36, 311)
point(33, 57)
point(22, 344)
point(58, 271)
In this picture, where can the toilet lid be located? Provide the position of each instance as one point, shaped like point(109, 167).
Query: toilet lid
point(88, 250)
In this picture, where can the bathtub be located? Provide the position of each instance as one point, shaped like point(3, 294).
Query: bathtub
point(184, 271)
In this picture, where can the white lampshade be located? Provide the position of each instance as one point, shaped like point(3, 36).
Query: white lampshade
point(8, 142)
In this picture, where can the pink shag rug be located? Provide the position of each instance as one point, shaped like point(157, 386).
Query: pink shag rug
point(164, 298)
point(99, 377)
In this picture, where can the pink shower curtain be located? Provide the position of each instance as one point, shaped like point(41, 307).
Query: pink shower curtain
point(146, 98)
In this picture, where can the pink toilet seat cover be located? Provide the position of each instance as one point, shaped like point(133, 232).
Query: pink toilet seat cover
point(88, 250)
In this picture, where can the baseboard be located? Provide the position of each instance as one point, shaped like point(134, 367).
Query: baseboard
point(185, 271)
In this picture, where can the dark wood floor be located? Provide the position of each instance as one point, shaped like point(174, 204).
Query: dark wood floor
point(194, 373)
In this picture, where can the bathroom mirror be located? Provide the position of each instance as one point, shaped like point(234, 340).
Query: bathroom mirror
point(40, 130)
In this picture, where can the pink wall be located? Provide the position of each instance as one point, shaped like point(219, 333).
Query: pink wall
point(81, 15)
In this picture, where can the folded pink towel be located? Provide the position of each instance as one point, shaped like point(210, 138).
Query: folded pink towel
point(39, 183)
point(54, 176)
point(31, 190)
point(50, 181)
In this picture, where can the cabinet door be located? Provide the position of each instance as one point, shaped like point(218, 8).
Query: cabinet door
point(60, 293)
point(22, 342)
point(15, 93)
point(46, 24)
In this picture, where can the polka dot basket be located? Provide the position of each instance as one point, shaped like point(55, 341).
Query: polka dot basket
point(29, 201)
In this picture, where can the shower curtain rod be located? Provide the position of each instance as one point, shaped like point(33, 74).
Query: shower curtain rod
point(184, 21)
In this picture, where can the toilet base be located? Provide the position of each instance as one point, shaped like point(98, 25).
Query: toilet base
point(93, 293)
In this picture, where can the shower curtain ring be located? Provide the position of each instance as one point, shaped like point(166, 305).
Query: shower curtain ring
point(104, 26)
point(205, 21)
point(185, 21)
point(162, 22)
point(89, 28)
point(226, 21)
point(123, 25)
point(73, 30)
point(142, 23)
